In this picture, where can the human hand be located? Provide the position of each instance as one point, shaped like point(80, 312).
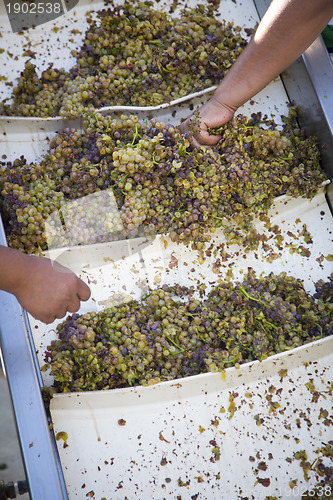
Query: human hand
point(212, 114)
point(48, 290)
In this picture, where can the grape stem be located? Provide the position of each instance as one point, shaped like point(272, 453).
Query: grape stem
point(321, 330)
point(248, 296)
point(135, 136)
point(176, 345)
point(225, 361)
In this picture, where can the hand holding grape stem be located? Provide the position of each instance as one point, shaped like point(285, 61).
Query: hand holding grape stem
point(286, 30)
point(211, 115)
point(43, 288)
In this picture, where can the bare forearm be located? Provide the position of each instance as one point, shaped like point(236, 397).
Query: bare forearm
point(286, 30)
point(44, 288)
point(12, 268)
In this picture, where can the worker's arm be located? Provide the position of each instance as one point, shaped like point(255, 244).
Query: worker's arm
point(285, 32)
point(44, 288)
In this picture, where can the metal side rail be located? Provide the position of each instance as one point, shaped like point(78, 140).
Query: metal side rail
point(309, 84)
point(39, 453)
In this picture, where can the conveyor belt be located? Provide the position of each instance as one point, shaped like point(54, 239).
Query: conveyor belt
point(39, 450)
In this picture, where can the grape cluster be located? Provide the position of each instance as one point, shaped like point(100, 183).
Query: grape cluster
point(132, 55)
point(28, 197)
point(120, 178)
point(174, 332)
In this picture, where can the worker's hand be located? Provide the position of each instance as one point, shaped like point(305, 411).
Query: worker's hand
point(48, 290)
point(212, 114)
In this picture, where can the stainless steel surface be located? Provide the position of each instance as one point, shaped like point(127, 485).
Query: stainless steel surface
point(320, 121)
point(261, 6)
point(39, 453)
point(11, 463)
point(309, 85)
